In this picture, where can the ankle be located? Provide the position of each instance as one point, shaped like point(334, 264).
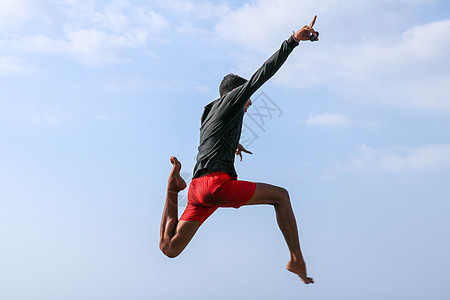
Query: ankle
point(172, 190)
point(297, 259)
point(172, 186)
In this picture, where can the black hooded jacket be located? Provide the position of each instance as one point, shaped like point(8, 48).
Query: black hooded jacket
point(221, 122)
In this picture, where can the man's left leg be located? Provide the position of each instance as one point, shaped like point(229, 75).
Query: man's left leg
point(175, 234)
point(236, 193)
point(279, 198)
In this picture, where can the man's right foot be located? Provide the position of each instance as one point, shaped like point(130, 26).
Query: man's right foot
point(300, 270)
point(176, 183)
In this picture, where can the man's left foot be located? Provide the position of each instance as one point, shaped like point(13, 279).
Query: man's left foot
point(300, 270)
point(176, 183)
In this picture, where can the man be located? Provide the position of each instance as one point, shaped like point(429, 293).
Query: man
point(215, 181)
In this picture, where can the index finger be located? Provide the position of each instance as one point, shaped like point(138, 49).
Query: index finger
point(313, 21)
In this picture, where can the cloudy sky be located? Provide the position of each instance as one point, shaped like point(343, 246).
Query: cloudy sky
point(95, 96)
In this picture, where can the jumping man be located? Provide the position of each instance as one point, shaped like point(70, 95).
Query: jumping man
point(214, 182)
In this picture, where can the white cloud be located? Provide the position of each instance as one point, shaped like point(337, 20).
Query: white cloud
point(12, 65)
point(329, 119)
point(92, 46)
point(90, 34)
point(14, 13)
point(195, 9)
point(399, 159)
point(135, 84)
point(116, 16)
point(45, 119)
point(43, 116)
point(260, 24)
point(193, 18)
point(411, 71)
point(256, 25)
point(101, 117)
point(95, 32)
point(12, 113)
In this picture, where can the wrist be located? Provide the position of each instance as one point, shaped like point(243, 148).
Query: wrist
point(295, 38)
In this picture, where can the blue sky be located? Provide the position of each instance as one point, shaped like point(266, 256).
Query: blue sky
point(95, 96)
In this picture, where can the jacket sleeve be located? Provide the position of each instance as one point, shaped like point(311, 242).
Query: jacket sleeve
point(241, 94)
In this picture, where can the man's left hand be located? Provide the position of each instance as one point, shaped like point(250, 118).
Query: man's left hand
point(241, 149)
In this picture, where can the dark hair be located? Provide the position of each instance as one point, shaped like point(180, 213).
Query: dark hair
point(230, 82)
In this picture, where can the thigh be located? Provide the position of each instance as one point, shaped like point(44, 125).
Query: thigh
point(184, 233)
point(197, 213)
point(267, 194)
point(233, 193)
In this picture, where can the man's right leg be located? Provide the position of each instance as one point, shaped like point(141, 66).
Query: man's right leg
point(279, 198)
point(175, 234)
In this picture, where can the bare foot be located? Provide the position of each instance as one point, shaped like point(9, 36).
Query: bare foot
point(300, 270)
point(176, 183)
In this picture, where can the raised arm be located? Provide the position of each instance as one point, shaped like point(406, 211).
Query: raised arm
point(240, 95)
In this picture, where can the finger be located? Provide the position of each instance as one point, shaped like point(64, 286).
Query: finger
point(240, 155)
point(246, 151)
point(313, 21)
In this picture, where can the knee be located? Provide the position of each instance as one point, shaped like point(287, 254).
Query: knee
point(168, 251)
point(283, 197)
point(172, 253)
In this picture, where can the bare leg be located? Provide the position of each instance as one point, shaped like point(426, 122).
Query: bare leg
point(174, 234)
point(279, 198)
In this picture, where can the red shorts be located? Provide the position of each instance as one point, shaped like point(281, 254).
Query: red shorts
point(209, 192)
